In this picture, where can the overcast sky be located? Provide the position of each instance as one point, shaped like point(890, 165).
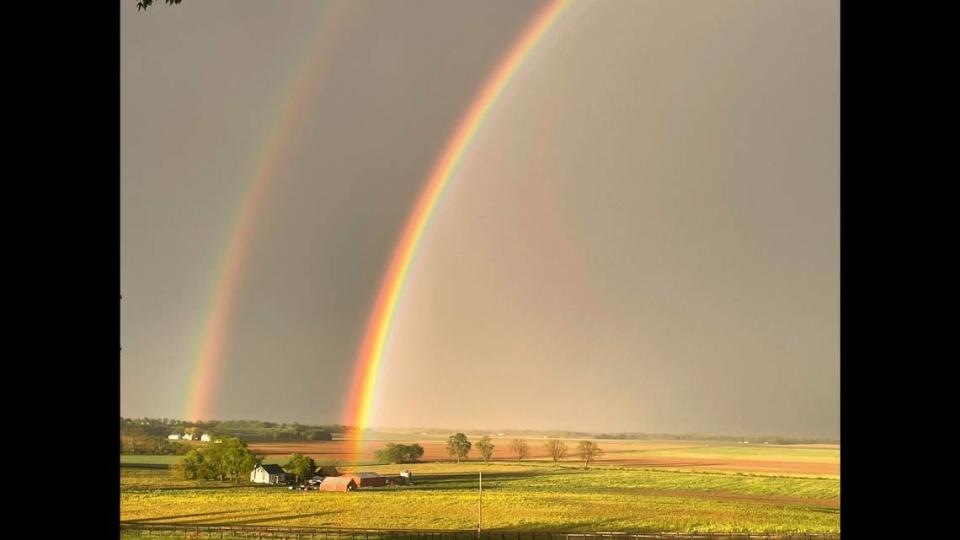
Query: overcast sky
point(644, 236)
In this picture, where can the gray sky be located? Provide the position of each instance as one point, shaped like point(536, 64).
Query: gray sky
point(644, 236)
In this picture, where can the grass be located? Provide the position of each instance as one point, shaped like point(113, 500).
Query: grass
point(529, 496)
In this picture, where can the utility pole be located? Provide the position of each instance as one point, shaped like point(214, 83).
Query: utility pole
point(480, 508)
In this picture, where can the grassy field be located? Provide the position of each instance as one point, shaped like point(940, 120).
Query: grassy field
point(529, 496)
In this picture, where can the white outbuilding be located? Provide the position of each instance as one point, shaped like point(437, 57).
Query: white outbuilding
point(206, 437)
point(174, 437)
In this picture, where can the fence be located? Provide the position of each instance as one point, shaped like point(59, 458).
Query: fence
point(159, 530)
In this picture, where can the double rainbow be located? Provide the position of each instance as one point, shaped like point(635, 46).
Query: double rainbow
point(210, 356)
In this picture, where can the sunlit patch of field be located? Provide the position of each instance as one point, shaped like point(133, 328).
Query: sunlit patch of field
point(532, 496)
point(805, 460)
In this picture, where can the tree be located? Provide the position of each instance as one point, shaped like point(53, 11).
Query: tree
point(144, 4)
point(485, 447)
point(414, 452)
point(520, 448)
point(458, 446)
point(588, 451)
point(229, 459)
point(192, 464)
point(400, 453)
point(557, 449)
point(301, 466)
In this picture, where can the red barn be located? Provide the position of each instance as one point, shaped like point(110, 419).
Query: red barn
point(367, 479)
point(338, 483)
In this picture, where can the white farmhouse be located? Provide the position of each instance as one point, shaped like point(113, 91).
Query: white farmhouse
point(205, 437)
point(174, 436)
point(268, 474)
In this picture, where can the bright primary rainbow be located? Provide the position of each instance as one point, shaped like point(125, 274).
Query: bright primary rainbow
point(208, 362)
point(363, 390)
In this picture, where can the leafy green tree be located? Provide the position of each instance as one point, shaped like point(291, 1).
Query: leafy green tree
point(557, 449)
point(520, 448)
point(458, 446)
point(414, 452)
point(192, 464)
point(230, 459)
point(588, 451)
point(400, 453)
point(301, 466)
point(485, 447)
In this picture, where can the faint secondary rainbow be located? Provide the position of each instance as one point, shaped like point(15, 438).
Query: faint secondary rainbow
point(363, 390)
point(208, 362)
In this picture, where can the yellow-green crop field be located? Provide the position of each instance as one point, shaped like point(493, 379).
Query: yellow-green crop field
point(529, 496)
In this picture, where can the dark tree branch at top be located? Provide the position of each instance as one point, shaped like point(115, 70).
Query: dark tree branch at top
point(144, 4)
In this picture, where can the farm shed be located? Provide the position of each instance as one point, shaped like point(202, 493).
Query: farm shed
point(268, 474)
point(205, 437)
point(327, 470)
point(174, 437)
point(367, 479)
point(338, 483)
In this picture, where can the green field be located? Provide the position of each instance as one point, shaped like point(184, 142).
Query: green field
point(533, 497)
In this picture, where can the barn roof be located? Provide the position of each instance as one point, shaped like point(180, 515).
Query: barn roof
point(338, 483)
point(327, 470)
point(273, 469)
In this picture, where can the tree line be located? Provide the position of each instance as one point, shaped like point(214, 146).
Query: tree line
point(459, 446)
point(245, 429)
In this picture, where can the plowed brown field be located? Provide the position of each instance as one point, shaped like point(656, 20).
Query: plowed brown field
point(641, 454)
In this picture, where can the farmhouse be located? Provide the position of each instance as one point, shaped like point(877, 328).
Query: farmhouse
point(174, 437)
point(338, 483)
point(367, 479)
point(205, 437)
point(268, 474)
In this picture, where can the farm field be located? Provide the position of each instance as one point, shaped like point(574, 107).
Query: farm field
point(639, 486)
point(794, 460)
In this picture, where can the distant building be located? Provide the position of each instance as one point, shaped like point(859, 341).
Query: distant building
point(268, 474)
point(326, 470)
point(367, 479)
point(206, 437)
point(174, 437)
point(338, 483)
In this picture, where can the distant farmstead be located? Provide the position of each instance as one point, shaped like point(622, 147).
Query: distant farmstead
point(206, 437)
point(268, 474)
point(338, 483)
